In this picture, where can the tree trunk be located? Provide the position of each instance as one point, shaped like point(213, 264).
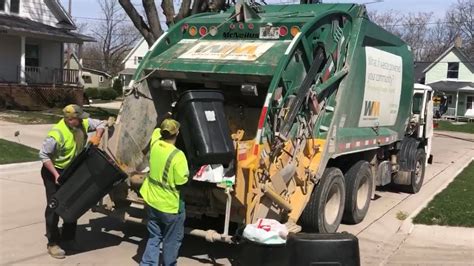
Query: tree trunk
point(152, 16)
point(168, 11)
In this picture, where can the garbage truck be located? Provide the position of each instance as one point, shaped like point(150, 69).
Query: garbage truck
point(298, 111)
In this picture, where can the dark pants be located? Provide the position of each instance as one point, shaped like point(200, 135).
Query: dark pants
point(52, 219)
point(164, 228)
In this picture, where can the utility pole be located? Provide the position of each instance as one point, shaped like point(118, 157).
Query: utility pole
point(69, 44)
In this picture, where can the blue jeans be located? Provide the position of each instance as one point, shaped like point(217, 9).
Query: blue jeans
point(167, 228)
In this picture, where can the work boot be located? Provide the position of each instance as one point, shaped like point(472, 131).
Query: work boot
point(56, 252)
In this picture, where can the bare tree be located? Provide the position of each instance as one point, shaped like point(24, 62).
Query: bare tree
point(115, 37)
point(390, 20)
point(461, 15)
point(151, 29)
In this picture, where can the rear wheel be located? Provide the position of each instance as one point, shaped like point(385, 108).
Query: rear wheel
point(323, 213)
point(418, 174)
point(359, 185)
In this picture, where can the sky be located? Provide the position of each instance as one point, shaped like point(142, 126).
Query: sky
point(87, 10)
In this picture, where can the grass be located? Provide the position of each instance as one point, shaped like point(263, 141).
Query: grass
point(468, 127)
point(454, 206)
point(13, 152)
point(51, 116)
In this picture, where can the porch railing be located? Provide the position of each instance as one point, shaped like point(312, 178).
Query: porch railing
point(47, 75)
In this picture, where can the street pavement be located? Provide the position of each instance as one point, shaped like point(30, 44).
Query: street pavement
point(383, 238)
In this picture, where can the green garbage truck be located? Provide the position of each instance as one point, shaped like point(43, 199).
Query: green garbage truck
point(305, 108)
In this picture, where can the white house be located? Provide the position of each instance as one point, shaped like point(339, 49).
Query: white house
point(32, 38)
point(91, 78)
point(452, 74)
point(132, 60)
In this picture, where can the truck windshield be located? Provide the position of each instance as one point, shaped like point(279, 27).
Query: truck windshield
point(417, 103)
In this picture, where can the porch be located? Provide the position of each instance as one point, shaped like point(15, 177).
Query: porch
point(459, 96)
point(49, 75)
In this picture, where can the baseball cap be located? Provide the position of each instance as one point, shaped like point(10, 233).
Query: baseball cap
point(170, 125)
point(74, 111)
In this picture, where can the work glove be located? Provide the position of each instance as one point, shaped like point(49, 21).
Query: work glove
point(94, 140)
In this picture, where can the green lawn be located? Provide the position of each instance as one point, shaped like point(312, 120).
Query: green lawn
point(454, 206)
point(449, 126)
point(51, 116)
point(12, 152)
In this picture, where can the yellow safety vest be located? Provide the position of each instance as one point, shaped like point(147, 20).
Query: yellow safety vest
point(66, 145)
point(168, 169)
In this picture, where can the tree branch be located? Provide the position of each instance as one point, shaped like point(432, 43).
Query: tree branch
point(138, 21)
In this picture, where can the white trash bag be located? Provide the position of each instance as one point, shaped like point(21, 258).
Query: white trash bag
point(266, 231)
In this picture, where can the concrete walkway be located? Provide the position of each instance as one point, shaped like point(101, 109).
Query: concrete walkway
point(30, 135)
point(381, 234)
point(110, 105)
point(383, 238)
point(436, 245)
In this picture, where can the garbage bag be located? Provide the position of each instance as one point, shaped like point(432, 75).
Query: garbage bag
point(266, 231)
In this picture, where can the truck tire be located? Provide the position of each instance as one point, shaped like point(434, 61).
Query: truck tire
point(323, 213)
point(418, 174)
point(359, 185)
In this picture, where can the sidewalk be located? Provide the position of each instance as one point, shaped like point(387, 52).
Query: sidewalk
point(432, 244)
point(30, 135)
point(110, 105)
point(381, 234)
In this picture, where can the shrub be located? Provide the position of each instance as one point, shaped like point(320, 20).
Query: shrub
point(117, 86)
point(92, 93)
point(107, 94)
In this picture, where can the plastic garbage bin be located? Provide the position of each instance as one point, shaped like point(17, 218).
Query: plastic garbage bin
point(89, 177)
point(257, 254)
point(323, 249)
point(204, 129)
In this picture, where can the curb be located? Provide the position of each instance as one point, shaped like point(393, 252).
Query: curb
point(408, 225)
point(19, 165)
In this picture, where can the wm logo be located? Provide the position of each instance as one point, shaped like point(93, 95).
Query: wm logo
point(372, 108)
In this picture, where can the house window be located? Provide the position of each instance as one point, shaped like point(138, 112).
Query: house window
point(32, 55)
point(469, 102)
point(15, 6)
point(101, 79)
point(87, 79)
point(450, 99)
point(2, 5)
point(453, 70)
point(138, 59)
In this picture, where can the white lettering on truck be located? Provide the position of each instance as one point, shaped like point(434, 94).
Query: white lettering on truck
point(383, 86)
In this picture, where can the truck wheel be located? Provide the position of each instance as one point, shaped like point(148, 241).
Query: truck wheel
point(418, 174)
point(359, 184)
point(323, 213)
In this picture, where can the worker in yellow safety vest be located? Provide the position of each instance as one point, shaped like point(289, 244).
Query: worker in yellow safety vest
point(161, 192)
point(64, 142)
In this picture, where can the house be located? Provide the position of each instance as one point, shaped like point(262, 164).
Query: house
point(90, 78)
point(94, 78)
point(33, 34)
point(132, 60)
point(452, 74)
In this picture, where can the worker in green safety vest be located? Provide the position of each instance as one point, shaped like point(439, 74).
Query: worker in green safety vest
point(160, 190)
point(64, 142)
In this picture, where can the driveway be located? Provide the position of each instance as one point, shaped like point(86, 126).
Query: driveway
point(382, 237)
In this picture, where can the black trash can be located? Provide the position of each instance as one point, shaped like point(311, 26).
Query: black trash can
point(257, 254)
point(89, 177)
point(323, 249)
point(204, 129)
